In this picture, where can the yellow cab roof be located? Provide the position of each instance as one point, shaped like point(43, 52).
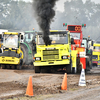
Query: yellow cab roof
point(13, 33)
point(96, 44)
point(57, 30)
point(53, 31)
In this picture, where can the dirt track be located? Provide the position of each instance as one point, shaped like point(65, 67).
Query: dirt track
point(13, 84)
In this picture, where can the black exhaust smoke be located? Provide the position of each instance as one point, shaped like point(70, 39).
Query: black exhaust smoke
point(44, 13)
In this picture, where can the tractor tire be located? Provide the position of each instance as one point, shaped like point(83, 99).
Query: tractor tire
point(25, 53)
point(88, 64)
point(37, 69)
point(69, 68)
point(79, 66)
point(44, 70)
point(74, 71)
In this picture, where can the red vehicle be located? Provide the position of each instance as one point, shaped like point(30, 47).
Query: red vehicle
point(76, 35)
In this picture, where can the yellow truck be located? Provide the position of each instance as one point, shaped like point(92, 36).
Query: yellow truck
point(12, 55)
point(55, 56)
point(96, 54)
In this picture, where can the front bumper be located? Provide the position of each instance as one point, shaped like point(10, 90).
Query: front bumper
point(9, 60)
point(49, 63)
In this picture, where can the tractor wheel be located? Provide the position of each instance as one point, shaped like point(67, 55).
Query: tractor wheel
point(25, 53)
point(37, 69)
point(88, 66)
point(79, 68)
point(43, 70)
point(69, 67)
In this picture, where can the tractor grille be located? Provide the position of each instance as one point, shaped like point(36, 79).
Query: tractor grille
point(50, 54)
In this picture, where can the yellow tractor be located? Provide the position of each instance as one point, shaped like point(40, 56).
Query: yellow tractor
point(55, 56)
point(12, 55)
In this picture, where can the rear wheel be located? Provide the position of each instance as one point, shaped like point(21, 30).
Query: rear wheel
point(79, 68)
point(37, 69)
point(88, 66)
point(45, 69)
point(69, 67)
point(25, 53)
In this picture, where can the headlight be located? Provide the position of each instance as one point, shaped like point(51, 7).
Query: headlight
point(37, 58)
point(64, 57)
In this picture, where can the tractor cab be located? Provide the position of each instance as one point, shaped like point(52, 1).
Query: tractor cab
point(29, 36)
point(76, 33)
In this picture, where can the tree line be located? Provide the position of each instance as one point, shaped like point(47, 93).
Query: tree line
point(18, 15)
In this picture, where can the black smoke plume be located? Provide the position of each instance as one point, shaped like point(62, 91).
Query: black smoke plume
point(44, 13)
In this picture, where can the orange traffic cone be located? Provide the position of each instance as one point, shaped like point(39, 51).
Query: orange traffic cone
point(64, 83)
point(29, 90)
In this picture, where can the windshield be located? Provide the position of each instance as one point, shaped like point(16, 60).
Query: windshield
point(10, 41)
point(55, 39)
point(75, 35)
point(29, 36)
point(84, 43)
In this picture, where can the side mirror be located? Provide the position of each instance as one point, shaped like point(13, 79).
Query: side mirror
point(0, 36)
point(21, 37)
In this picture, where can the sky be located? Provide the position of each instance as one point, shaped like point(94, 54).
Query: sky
point(61, 3)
